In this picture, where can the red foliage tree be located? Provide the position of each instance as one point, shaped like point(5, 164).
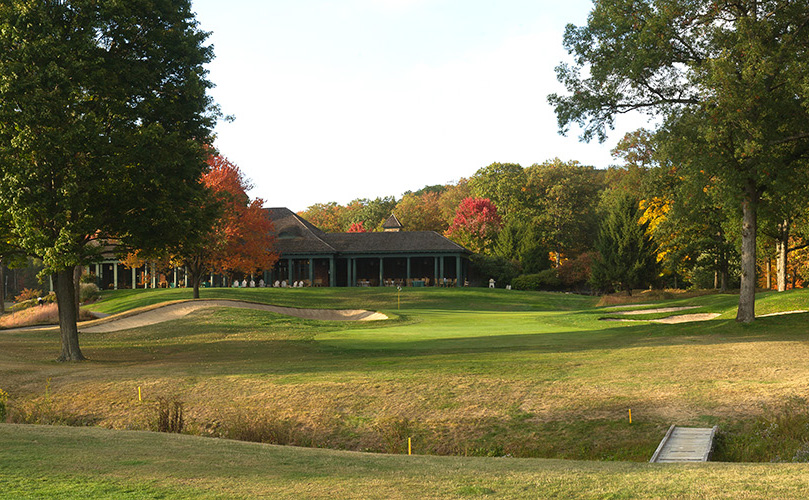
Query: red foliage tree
point(357, 227)
point(475, 225)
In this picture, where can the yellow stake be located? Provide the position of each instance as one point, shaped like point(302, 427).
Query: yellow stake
point(139, 399)
point(409, 447)
point(630, 415)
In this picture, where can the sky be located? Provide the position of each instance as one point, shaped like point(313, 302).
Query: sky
point(346, 99)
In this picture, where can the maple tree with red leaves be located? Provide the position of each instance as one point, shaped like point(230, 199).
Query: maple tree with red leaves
point(475, 225)
point(357, 227)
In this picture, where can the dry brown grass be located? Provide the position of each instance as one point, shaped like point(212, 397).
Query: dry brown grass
point(45, 314)
point(648, 296)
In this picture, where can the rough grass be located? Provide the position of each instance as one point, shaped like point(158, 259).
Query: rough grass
point(92, 463)
point(463, 372)
point(647, 296)
point(45, 314)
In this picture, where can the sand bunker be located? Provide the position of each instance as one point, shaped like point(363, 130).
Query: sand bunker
point(655, 311)
point(180, 309)
point(797, 311)
point(686, 318)
point(670, 320)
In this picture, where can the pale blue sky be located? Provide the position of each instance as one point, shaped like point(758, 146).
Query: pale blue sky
point(336, 100)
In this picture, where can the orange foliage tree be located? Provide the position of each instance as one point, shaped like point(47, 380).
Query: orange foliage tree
point(421, 212)
point(240, 239)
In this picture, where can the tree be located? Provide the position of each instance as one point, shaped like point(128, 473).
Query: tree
point(10, 255)
point(475, 225)
point(735, 71)
point(522, 242)
point(357, 227)
point(627, 257)
point(503, 184)
point(451, 198)
point(328, 217)
point(563, 197)
point(240, 238)
point(373, 213)
point(421, 212)
point(103, 115)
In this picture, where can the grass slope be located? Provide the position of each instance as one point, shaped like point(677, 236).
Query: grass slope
point(92, 463)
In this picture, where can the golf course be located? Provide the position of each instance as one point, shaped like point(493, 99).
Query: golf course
point(498, 393)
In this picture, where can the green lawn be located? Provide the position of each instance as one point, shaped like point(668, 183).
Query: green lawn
point(470, 372)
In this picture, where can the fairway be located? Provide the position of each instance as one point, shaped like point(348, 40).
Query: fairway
point(475, 372)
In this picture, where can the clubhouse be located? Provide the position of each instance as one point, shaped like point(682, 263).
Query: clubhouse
point(311, 257)
point(392, 257)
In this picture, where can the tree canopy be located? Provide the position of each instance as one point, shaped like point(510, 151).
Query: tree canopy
point(104, 114)
point(728, 74)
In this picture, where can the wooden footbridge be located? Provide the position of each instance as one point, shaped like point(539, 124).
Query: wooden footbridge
point(685, 444)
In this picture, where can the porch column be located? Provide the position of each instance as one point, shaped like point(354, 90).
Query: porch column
point(289, 268)
point(441, 262)
point(349, 271)
point(154, 275)
point(332, 274)
point(185, 276)
point(115, 276)
point(175, 277)
point(98, 275)
point(381, 270)
point(353, 272)
point(50, 282)
point(311, 271)
point(211, 280)
point(134, 278)
point(458, 277)
point(435, 270)
point(408, 268)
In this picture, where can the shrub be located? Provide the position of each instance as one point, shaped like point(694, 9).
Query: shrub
point(27, 294)
point(575, 273)
point(88, 292)
point(501, 269)
point(543, 280)
point(88, 278)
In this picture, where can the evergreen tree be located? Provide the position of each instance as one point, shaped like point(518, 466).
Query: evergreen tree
point(522, 242)
point(627, 254)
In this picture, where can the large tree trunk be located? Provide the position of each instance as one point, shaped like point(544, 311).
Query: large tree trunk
point(195, 279)
point(77, 288)
point(782, 251)
point(66, 301)
point(747, 295)
point(195, 270)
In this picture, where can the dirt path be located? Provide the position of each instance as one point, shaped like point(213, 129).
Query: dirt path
point(176, 310)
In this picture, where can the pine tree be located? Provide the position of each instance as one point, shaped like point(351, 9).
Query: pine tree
point(627, 253)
